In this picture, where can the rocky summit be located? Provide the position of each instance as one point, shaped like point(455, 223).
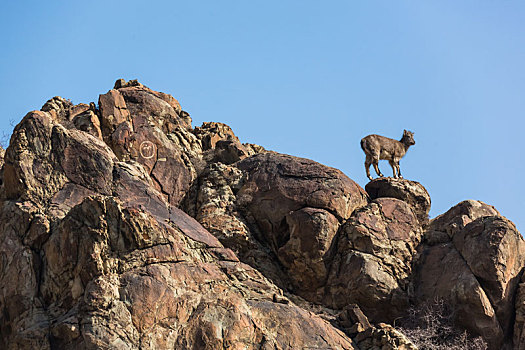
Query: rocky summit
point(122, 226)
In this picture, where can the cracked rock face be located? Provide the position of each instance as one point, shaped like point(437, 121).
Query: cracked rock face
point(297, 206)
point(475, 265)
point(408, 191)
point(94, 254)
point(122, 227)
point(373, 261)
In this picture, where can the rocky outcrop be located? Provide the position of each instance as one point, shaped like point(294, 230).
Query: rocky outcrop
point(372, 264)
point(94, 253)
point(122, 227)
point(297, 206)
point(411, 192)
point(367, 336)
point(519, 323)
point(473, 260)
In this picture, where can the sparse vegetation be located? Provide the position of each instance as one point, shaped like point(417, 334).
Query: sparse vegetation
point(430, 326)
point(5, 135)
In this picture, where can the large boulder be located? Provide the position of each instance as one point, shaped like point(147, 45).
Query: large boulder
point(372, 263)
point(297, 205)
point(495, 253)
point(305, 255)
point(443, 275)
point(216, 209)
point(278, 184)
point(473, 259)
point(408, 191)
point(519, 323)
point(460, 215)
point(112, 277)
point(141, 125)
point(43, 156)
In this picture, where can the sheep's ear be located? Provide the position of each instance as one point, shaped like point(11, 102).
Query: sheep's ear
point(405, 132)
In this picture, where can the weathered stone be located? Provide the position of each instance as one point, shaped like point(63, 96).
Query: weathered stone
point(58, 109)
point(113, 111)
point(279, 184)
point(229, 152)
point(457, 217)
point(211, 133)
point(408, 191)
point(215, 208)
point(443, 274)
point(495, 253)
point(305, 254)
point(88, 122)
point(373, 261)
point(519, 323)
point(352, 315)
point(137, 123)
point(95, 253)
point(253, 149)
point(44, 156)
point(2, 155)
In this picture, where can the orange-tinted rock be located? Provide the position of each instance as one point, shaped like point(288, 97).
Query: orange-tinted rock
point(519, 323)
point(95, 253)
point(216, 209)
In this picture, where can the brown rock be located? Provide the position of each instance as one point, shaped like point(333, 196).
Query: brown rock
point(443, 274)
point(140, 125)
point(495, 253)
point(114, 277)
point(279, 184)
point(373, 261)
point(519, 323)
point(277, 189)
point(113, 111)
point(215, 208)
point(408, 191)
point(457, 217)
point(352, 315)
point(305, 254)
point(44, 156)
point(2, 155)
point(88, 122)
point(58, 109)
point(81, 268)
point(229, 152)
point(211, 133)
point(253, 149)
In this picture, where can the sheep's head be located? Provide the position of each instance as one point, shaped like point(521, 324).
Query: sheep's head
point(408, 138)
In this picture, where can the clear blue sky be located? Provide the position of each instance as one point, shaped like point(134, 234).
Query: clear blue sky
point(306, 78)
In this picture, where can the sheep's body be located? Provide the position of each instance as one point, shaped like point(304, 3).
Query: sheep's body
point(378, 147)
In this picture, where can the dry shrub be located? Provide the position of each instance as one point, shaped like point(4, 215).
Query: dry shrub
point(430, 326)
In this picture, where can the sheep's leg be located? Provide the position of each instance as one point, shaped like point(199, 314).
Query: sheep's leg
point(376, 167)
point(368, 162)
point(399, 171)
point(394, 167)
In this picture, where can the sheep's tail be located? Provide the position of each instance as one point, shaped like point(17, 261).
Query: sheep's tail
point(363, 142)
